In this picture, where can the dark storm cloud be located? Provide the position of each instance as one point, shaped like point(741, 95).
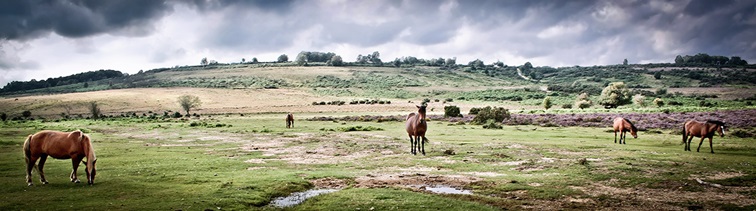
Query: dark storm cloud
point(28, 19)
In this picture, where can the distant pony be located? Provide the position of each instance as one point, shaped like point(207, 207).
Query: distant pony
point(623, 126)
point(416, 127)
point(59, 145)
point(704, 130)
point(289, 120)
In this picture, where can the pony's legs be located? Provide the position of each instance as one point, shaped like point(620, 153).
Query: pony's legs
point(711, 146)
point(423, 143)
point(615, 136)
point(624, 137)
point(412, 145)
point(41, 167)
point(29, 166)
point(699, 144)
point(687, 143)
point(75, 164)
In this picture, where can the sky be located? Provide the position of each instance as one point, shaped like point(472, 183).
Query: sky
point(40, 39)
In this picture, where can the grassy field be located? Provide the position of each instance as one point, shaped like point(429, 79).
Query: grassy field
point(244, 162)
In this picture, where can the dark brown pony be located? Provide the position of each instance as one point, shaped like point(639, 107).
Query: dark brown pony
point(59, 145)
point(416, 127)
point(623, 126)
point(693, 128)
point(289, 120)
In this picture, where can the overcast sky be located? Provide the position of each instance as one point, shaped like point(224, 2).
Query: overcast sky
point(50, 38)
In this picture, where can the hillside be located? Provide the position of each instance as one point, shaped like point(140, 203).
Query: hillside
point(255, 88)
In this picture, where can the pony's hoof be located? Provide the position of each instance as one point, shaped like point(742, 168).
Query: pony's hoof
point(76, 181)
point(45, 183)
point(30, 184)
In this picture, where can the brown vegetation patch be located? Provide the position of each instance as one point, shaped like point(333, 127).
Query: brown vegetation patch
point(665, 198)
point(413, 180)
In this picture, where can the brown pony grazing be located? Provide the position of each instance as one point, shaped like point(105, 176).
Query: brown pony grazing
point(704, 130)
point(60, 145)
point(416, 127)
point(623, 126)
point(289, 120)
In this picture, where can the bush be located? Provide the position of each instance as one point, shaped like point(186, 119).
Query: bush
point(639, 100)
point(496, 114)
point(582, 101)
point(614, 95)
point(567, 106)
point(658, 102)
point(492, 125)
point(547, 103)
point(177, 115)
point(451, 111)
point(3, 116)
point(26, 114)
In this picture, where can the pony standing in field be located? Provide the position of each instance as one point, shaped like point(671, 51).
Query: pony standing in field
point(704, 130)
point(623, 126)
point(59, 145)
point(289, 120)
point(416, 127)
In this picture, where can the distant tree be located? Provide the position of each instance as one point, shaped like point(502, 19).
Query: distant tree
point(451, 111)
point(736, 60)
point(658, 102)
point(188, 102)
point(582, 101)
point(658, 74)
point(476, 64)
point(335, 61)
point(243, 60)
point(204, 61)
point(527, 66)
point(3, 116)
point(639, 100)
point(624, 62)
point(301, 59)
point(283, 58)
point(679, 60)
point(94, 110)
point(86, 85)
point(26, 114)
point(362, 59)
point(254, 60)
point(450, 62)
point(615, 94)
point(499, 64)
point(375, 58)
point(547, 103)
point(397, 62)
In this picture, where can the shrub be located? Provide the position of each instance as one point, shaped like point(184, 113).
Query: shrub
point(547, 103)
point(496, 114)
point(177, 115)
point(492, 125)
point(451, 111)
point(474, 111)
point(615, 94)
point(567, 106)
point(26, 114)
point(3, 116)
point(94, 110)
point(639, 100)
point(582, 101)
point(658, 102)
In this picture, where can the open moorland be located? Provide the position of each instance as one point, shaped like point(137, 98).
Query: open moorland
point(349, 141)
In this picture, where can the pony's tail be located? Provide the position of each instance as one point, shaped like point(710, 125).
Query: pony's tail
point(685, 135)
point(27, 150)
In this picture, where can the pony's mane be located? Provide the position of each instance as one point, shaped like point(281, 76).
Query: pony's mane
point(631, 124)
point(717, 122)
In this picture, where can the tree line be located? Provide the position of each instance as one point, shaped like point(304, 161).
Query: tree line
point(15, 86)
point(706, 59)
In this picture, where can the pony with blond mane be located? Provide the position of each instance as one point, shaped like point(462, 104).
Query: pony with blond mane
point(289, 120)
point(693, 128)
point(416, 127)
point(623, 126)
point(59, 145)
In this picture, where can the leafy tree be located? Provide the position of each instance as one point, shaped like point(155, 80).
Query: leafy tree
point(450, 62)
point(243, 60)
point(658, 74)
point(547, 102)
point(639, 100)
point(204, 62)
point(397, 62)
point(495, 114)
point(679, 60)
point(582, 101)
point(476, 64)
point(94, 110)
point(254, 60)
point(26, 114)
point(452, 111)
point(335, 61)
point(301, 59)
point(283, 58)
point(189, 102)
point(616, 94)
point(527, 66)
point(658, 102)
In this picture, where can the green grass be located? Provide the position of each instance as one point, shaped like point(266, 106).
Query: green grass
point(175, 166)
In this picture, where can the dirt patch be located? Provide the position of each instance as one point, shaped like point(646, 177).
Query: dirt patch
point(413, 181)
point(666, 198)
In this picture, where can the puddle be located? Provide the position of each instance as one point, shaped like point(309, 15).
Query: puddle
point(442, 189)
point(299, 197)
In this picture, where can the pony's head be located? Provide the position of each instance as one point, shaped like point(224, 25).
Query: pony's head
point(720, 127)
point(633, 129)
point(91, 163)
point(421, 110)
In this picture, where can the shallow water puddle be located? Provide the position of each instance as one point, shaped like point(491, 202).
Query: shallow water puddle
point(299, 197)
point(442, 189)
